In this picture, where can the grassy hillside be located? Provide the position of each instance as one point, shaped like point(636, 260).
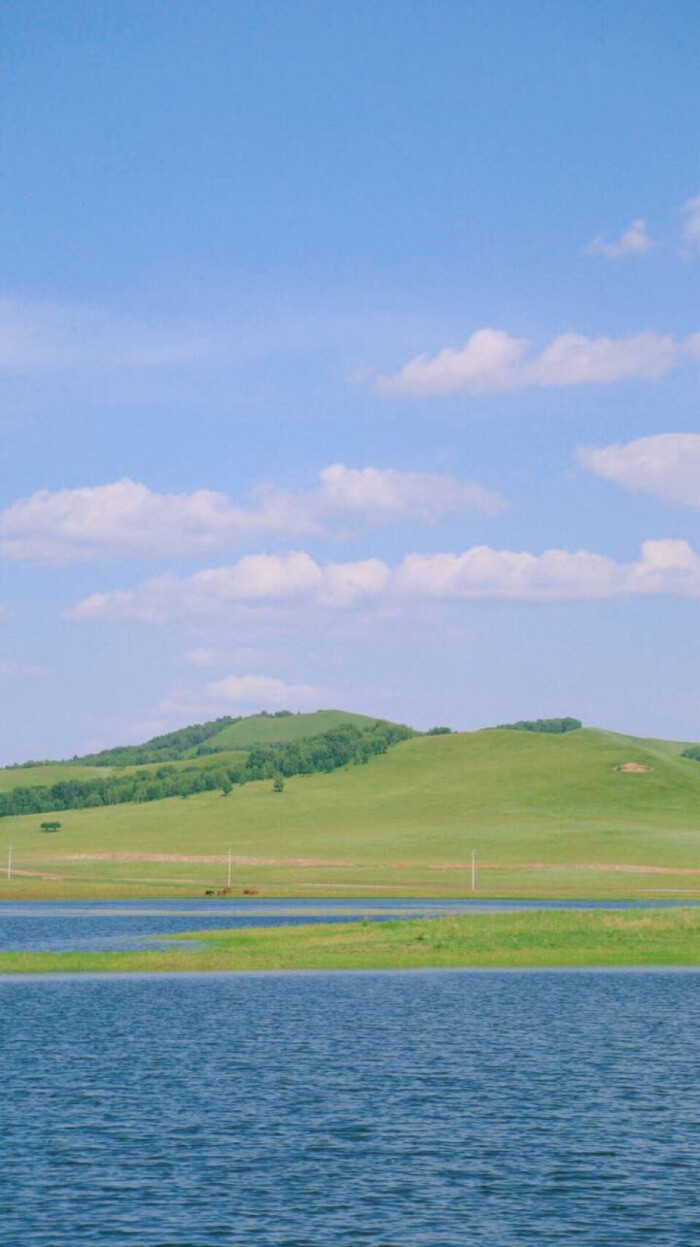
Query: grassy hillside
point(54, 772)
point(547, 816)
point(260, 729)
point(46, 774)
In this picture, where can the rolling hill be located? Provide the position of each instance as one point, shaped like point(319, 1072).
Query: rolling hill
point(547, 816)
point(201, 739)
point(202, 744)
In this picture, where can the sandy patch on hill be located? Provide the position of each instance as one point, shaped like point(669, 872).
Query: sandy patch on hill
point(205, 859)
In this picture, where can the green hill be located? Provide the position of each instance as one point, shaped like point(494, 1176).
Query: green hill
point(187, 743)
point(548, 815)
point(267, 729)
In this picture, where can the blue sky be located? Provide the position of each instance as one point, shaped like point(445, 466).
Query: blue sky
point(349, 356)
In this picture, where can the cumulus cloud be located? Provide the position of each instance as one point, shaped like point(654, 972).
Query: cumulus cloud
point(691, 228)
point(127, 518)
point(262, 691)
point(634, 240)
point(492, 360)
point(666, 466)
point(489, 360)
point(255, 580)
point(481, 573)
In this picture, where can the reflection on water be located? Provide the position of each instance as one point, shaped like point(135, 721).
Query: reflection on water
point(449, 1109)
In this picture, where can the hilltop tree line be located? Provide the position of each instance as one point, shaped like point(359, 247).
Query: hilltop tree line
point(553, 726)
point(341, 746)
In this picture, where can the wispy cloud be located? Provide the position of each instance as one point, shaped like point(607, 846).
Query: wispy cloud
point(21, 669)
point(634, 240)
point(48, 336)
point(127, 518)
point(666, 466)
point(492, 360)
point(690, 247)
point(208, 656)
point(664, 567)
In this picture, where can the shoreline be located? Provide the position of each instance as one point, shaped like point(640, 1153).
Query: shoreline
point(537, 939)
point(111, 975)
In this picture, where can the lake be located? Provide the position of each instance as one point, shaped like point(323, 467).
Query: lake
point(57, 926)
point(423, 1109)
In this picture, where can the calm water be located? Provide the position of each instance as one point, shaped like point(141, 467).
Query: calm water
point(448, 1109)
point(75, 925)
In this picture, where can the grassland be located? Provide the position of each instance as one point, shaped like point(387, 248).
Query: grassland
point(514, 940)
point(547, 816)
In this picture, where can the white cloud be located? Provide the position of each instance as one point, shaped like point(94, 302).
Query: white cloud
point(127, 518)
point(256, 579)
point(664, 567)
point(386, 492)
point(691, 228)
point(666, 466)
point(491, 360)
point(634, 240)
point(265, 692)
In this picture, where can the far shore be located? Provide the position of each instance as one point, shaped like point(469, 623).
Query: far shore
point(534, 939)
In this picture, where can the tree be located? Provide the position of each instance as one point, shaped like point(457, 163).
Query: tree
point(50, 826)
point(278, 784)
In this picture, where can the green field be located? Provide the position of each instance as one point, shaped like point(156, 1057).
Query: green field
point(546, 815)
point(517, 940)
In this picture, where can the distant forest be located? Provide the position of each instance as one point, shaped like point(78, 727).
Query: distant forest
point(341, 746)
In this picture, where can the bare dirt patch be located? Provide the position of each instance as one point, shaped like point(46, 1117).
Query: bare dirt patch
point(633, 768)
point(204, 859)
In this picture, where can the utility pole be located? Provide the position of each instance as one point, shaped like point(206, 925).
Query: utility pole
point(473, 870)
point(9, 863)
point(229, 869)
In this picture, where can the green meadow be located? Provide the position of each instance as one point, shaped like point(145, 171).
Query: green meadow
point(527, 940)
point(547, 815)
